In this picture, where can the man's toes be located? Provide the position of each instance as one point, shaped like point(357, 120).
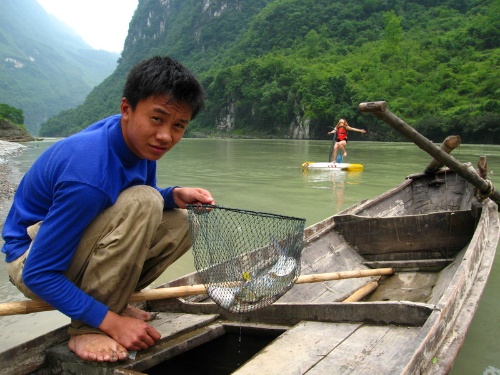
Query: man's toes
point(152, 316)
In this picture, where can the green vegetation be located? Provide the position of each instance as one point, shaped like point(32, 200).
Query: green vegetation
point(291, 68)
point(12, 124)
point(14, 115)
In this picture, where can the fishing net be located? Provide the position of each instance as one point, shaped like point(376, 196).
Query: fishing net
point(245, 259)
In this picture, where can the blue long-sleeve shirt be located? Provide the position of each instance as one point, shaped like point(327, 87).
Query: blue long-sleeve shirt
point(67, 187)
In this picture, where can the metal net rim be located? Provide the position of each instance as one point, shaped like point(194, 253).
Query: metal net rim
point(207, 207)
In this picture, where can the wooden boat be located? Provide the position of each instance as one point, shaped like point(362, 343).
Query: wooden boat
point(431, 230)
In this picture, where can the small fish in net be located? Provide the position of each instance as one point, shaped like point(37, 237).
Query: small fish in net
point(245, 259)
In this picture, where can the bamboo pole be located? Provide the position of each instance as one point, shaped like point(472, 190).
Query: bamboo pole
point(380, 110)
point(31, 306)
point(362, 292)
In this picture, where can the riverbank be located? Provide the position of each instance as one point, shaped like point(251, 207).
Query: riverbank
point(9, 176)
point(16, 329)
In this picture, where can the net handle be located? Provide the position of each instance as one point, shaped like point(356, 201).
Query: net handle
point(27, 307)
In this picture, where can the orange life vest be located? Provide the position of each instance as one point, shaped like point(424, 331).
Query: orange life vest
point(341, 133)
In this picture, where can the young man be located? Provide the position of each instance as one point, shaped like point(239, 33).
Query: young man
point(88, 225)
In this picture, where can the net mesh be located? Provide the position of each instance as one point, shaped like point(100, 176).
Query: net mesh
point(245, 259)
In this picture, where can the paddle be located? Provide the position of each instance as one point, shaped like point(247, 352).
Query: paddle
point(380, 110)
point(334, 139)
point(29, 306)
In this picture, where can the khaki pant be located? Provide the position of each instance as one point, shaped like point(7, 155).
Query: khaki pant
point(123, 250)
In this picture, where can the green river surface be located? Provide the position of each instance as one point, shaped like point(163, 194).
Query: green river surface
point(265, 175)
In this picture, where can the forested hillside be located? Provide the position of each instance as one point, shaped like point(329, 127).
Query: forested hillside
point(45, 67)
point(291, 68)
point(11, 125)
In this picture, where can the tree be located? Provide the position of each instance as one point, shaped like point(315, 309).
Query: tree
point(12, 114)
point(393, 32)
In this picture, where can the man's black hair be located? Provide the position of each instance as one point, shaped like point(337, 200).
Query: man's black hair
point(164, 76)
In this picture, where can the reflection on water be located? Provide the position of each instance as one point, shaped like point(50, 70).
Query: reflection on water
point(490, 370)
point(336, 182)
point(265, 175)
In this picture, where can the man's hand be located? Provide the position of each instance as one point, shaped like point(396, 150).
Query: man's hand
point(132, 333)
point(184, 196)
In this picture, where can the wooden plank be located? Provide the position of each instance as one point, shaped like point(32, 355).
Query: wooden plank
point(406, 286)
point(370, 350)
point(170, 326)
point(174, 345)
point(411, 265)
point(427, 194)
point(298, 350)
point(382, 202)
point(444, 278)
point(327, 255)
point(317, 230)
point(325, 292)
point(127, 372)
point(30, 355)
point(446, 232)
point(335, 255)
point(403, 313)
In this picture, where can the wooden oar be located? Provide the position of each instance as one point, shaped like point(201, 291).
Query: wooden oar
point(380, 110)
point(29, 306)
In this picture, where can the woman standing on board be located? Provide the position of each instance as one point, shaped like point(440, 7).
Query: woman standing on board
point(341, 131)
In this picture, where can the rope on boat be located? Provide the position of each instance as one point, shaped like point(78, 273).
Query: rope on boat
point(481, 196)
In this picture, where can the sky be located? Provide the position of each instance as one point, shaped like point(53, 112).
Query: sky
point(103, 24)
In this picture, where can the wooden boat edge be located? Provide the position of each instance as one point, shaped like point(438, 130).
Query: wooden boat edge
point(458, 304)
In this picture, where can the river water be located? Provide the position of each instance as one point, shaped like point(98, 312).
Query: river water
point(265, 175)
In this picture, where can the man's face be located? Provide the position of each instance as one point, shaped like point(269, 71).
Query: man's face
point(155, 126)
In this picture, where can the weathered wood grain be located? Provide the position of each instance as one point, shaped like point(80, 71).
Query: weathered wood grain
point(370, 350)
point(443, 233)
point(299, 349)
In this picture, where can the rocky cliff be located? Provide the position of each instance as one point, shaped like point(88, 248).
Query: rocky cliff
point(13, 133)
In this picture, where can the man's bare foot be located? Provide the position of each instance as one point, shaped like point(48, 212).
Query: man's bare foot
point(133, 312)
point(97, 347)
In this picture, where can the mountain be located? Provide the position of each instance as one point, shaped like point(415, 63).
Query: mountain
point(292, 68)
point(45, 66)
